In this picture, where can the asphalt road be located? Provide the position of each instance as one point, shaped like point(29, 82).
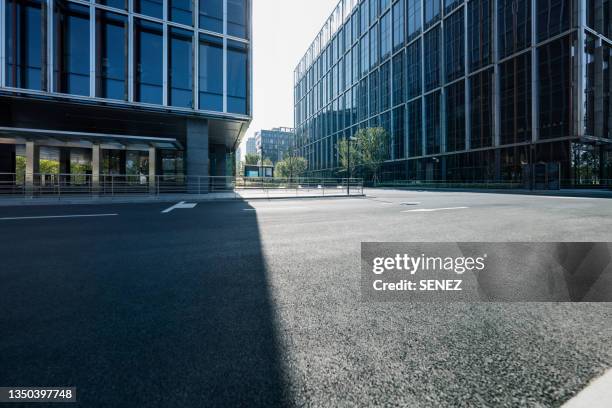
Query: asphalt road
point(258, 304)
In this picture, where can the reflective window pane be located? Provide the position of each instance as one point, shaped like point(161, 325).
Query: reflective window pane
point(24, 44)
point(180, 68)
point(432, 58)
point(111, 63)
point(431, 12)
point(553, 17)
point(481, 107)
point(515, 99)
point(454, 50)
point(120, 4)
point(237, 77)
point(237, 11)
point(514, 25)
point(479, 33)
point(432, 122)
point(71, 71)
point(153, 8)
point(211, 15)
point(211, 73)
point(455, 117)
point(181, 11)
point(148, 57)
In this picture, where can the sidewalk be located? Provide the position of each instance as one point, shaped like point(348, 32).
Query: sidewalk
point(255, 194)
point(591, 193)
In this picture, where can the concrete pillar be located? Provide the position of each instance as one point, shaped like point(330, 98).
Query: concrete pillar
point(96, 164)
point(152, 167)
point(197, 155)
point(32, 165)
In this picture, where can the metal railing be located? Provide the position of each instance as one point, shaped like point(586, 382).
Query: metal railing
point(87, 185)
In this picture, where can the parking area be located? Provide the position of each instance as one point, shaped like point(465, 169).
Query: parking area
point(258, 303)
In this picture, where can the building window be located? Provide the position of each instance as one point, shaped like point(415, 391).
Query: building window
point(479, 33)
point(398, 133)
point(364, 17)
point(398, 24)
point(554, 17)
point(211, 15)
point(237, 12)
point(398, 78)
point(25, 44)
point(450, 5)
point(384, 4)
point(111, 55)
point(365, 54)
point(414, 18)
point(374, 92)
point(181, 11)
point(413, 60)
point(432, 12)
point(119, 4)
point(514, 26)
point(363, 99)
point(385, 35)
point(374, 45)
point(432, 59)
point(455, 117)
point(373, 10)
point(555, 88)
point(432, 122)
point(454, 46)
point(481, 109)
point(597, 59)
point(515, 100)
point(356, 72)
point(385, 88)
point(148, 57)
point(415, 128)
point(153, 8)
point(237, 77)
point(71, 48)
point(180, 67)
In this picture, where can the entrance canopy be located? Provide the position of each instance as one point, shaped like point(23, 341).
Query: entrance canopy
point(62, 138)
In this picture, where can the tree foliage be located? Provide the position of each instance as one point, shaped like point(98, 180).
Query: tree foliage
point(368, 149)
point(251, 159)
point(292, 166)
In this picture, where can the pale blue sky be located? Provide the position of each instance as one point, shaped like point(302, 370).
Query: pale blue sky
point(282, 31)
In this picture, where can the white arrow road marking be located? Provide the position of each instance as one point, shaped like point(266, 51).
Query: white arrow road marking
point(180, 206)
point(57, 216)
point(435, 209)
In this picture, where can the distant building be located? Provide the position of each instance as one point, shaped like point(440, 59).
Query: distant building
point(250, 146)
point(274, 144)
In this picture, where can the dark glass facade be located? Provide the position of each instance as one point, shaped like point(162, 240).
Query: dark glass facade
point(125, 51)
point(487, 89)
point(120, 75)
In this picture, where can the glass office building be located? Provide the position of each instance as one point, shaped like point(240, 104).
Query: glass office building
point(274, 144)
point(474, 90)
point(124, 86)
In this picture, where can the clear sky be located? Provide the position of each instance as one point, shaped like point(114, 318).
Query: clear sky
point(282, 32)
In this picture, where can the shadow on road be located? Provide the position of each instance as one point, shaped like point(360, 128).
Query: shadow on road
point(142, 310)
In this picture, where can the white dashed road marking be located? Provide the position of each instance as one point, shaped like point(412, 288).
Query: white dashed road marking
point(179, 206)
point(435, 209)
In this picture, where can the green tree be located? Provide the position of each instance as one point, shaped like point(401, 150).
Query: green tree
point(292, 166)
point(372, 145)
point(251, 159)
point(267, 162)
point(348, 155)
